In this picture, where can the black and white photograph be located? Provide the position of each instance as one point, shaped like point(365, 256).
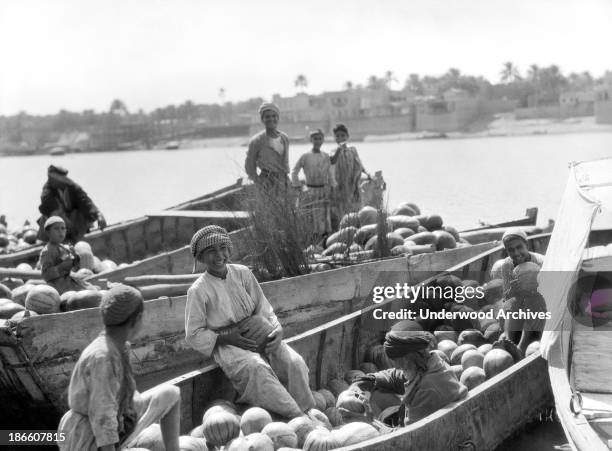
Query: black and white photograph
point(283, 225)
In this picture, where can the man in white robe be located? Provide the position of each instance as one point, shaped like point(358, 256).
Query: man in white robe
point(221, 305)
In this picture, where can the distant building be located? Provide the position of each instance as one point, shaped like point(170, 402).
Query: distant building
point(454, 111)
point(577, 103)
point(603, 102)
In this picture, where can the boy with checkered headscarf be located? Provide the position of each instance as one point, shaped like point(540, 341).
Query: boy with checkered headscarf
point(229, 319)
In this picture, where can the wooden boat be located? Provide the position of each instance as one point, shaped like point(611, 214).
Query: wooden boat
point(179, 261)
point(37, 356)
point(156, 232)
point(490, 413)
point(577, 340)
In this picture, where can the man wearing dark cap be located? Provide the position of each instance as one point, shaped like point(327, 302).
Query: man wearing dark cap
point(63, 197)
point(424, 381)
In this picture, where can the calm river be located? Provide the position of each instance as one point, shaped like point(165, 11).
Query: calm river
point(464, 180)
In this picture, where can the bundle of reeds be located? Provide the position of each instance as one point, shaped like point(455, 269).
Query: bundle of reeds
point(280, 232)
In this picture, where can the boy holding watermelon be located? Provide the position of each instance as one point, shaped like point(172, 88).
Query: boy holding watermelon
point(228, 318)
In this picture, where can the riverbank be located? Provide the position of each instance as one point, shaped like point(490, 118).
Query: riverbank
point(506, 124)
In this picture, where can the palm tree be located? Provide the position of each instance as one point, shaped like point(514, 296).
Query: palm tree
point(509, 73)
point(118, 107)
point(301, 82)
point(374, 82)
point(414, 84)
point(389, 78)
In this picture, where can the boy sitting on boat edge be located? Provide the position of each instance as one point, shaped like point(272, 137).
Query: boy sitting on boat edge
point(226, 316)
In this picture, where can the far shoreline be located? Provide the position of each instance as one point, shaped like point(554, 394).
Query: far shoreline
point(503, 126)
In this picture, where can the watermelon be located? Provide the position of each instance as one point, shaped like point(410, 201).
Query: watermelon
point(367, 215)
point(319, 418)
point(320, 401)
point(365, 233)
point(188, 443)
point(9, 308)
point(221, 427)
point(473, 377)
point(281, 434)
point(401, 250)
point(11, 283)
point(4, 240)
point(5, 292)
point(496, 361)
point(301, 426)
point(30, 236)
point(423, 238)
point(252, 442)
point(404, 232)
point(337, 386)
point(493, 332)
point(336, 248)
point(24, 267)
point(353, 433)
point(404, 210)
point(471, 336)
point(433, 222)
point(485, 348)
point(219, 405)
point(396, 222)
point(43, 299)
point(444, 240)
point(443, 333)
point(472, 357)
point(21, 315)
point(350, 220)
point(447, 347)
point(320, 440)
point(20, 293)
point(458, 353)
point(198, 431)
point(344, 235)
point(257, 328)
point(84, 299)
point(108, 265)
point(457, 370)
point(83, 273)
point(355, 248)
point(453, 231)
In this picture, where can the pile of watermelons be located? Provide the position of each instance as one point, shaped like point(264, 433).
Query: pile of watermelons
point(17, 239)
point(408, 232)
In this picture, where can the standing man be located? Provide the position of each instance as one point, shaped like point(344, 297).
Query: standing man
point(319, 181)
point(64, 198)
point(269, 151)
point(347, 169)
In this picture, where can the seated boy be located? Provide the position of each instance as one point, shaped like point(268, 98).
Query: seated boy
point(524, 299)
point(424, 381)
point(106, 411)
point(225, 305)
point(57, 259)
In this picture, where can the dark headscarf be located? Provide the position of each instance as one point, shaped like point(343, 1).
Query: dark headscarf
point(340, 128)
point(399, 343)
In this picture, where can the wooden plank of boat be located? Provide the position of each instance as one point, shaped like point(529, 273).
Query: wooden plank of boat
point(530, 218)
point(239, 216)
point(24, 274)
point(136, 238)
point(489, 414)
point(484, 235)
point(50, 344)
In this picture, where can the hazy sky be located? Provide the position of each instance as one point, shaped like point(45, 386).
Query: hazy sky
point(80, 54)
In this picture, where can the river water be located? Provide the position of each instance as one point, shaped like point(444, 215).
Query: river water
point(464, 180)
